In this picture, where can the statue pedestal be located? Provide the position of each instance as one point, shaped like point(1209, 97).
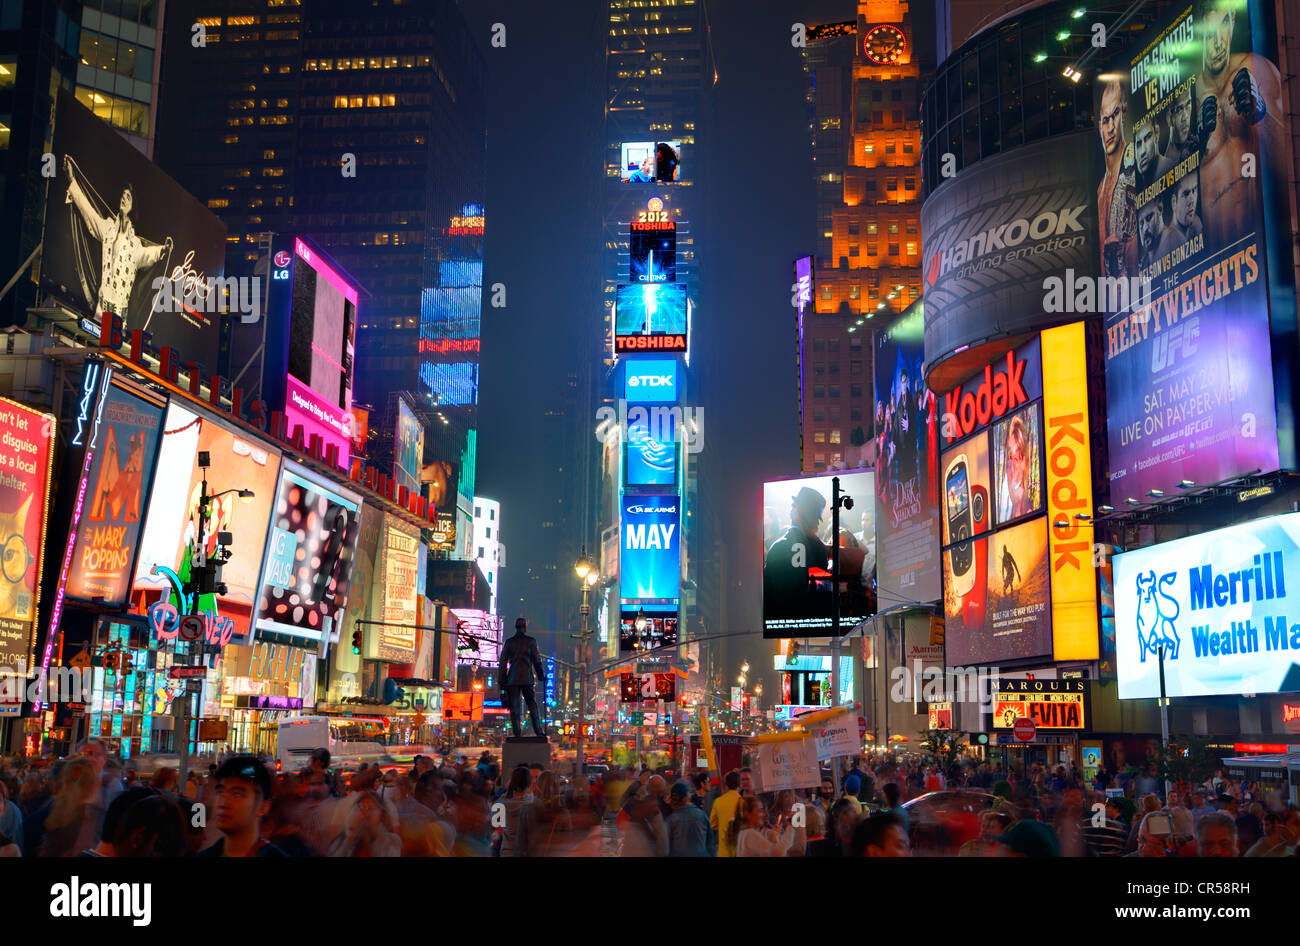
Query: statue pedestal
point(525, 750)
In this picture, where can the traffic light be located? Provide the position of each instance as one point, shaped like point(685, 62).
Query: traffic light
point(979, 739)
point(356, 642)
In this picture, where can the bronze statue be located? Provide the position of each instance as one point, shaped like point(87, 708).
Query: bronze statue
point(521, 667)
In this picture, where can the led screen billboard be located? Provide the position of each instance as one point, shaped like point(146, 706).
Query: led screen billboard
point(648, 162)
point(653, 256)
point(907, 476)
point(651, 317)
point(650, 560)
point(1218, 603)
point(25, 469)
point(171, 534)
point(797, 554)
point(660, 630)
point(650, 380)
point(651, 448)
point(408, 448)
point(1191, 127)
point(125, 429)
point(121, 236)
point(309, 549)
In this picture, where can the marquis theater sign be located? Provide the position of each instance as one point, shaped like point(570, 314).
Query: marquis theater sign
point(1051, 704)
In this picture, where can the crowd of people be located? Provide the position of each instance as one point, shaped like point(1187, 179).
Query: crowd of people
point(91, 805)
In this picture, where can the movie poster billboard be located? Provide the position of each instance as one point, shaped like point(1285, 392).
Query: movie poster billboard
point(170, 538)
point(309, 549)
point(650, 561)
point(1219, 605)
point(123, 237)
point(797, 554)
point(125, 429)
point(26, 465)
point(907, 476)
point(1190, 121)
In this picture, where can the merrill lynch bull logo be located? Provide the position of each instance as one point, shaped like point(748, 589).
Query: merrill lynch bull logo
point(1156, 613)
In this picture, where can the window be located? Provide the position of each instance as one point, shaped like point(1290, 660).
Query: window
point(826, 293)
point(853, 228)
point(897, 115)
point(819, 369)
point(877, 117)
point(893, 228)
point(855, 367)
point(819, 414)
point(835, 412)
point(853, 250)
point(819, 344)
point(835, 390)
point(819, 390)
point(855, 413)
point(891, 184)
point(893, 249)
point(835, 436)
point(909, 184)
point(835, 367)
point(911, 249)
point(855, 390)
point(819, 437)
point(833, 344)
point(872, 229)
point(855, 292)
point(889, 148)
point(876, 95)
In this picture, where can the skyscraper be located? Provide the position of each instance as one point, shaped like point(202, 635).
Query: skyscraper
point(868, 211)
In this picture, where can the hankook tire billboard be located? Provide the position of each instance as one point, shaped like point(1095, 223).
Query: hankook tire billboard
point(991, 235)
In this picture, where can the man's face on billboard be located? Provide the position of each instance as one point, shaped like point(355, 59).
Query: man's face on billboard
point(1218, 39)
point(1149, 226)
point(1185, 200)
point(1180, 123)
point(1144, 146)
point(1111, 125)
point(806, 516)
point(125, 203)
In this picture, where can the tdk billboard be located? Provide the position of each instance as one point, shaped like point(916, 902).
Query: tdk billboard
point(1219, 603)
point(650, 380)
point(650, 561)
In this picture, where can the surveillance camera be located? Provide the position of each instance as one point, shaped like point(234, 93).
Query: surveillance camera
point(205, 458)
point(848, 502)
point(225, 538)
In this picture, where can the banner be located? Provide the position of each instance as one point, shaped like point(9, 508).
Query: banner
point(120, 476)
point(907, 460)
point(1189, 122)
point(1218, 605)
point(1069, 494)
point(838, 737)
point(26, 465)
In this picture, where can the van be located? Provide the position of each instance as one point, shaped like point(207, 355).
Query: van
point(348, 741)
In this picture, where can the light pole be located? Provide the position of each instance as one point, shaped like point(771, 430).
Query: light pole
point(588, 575)
point(837, 500)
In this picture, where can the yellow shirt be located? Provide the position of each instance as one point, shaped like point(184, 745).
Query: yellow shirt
point(720, 818)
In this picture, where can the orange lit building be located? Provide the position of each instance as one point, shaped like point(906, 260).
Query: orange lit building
point(865, 88)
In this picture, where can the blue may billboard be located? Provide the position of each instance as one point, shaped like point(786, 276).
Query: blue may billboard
point(650, 565)
point(1218, 604)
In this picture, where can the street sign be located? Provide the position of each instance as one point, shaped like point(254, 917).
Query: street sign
point(1024, 729)
point(184, 673)
point(194, 685)
point(862, 727)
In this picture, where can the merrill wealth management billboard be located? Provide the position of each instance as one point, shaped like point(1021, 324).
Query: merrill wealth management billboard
point(1221, 606)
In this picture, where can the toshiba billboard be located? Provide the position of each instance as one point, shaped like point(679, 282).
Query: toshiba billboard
point(992, 234)
point(1016, 469)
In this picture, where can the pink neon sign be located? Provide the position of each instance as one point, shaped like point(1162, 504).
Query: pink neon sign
point(324, 269)
point(304, 408)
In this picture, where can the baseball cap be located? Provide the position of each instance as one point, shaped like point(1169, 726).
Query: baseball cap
point(679, 790)
point(1030, 839)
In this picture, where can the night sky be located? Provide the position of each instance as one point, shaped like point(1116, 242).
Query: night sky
point(545, 126)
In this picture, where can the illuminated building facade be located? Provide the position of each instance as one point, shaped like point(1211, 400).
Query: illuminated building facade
point(864, 81)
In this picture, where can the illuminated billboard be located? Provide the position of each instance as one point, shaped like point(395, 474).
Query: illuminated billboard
point(125, 429)
point(652, 440)
point(797, 554)
point(171, 534)
point(309, 549)
point(1192, 131)
point(803, 283)
point(648, 162)
point(408, 448)
point(401, 565)
point(650, 560)
point(311, 343)
point(653, 256)
point(660, 630)
point(123, 237)
point(1051, 704)
point(25, 470)
point(648, 687)
point(651, 317)
point(1019, 584)
point(907, 478)
point(650, 380)
point(1218, 604)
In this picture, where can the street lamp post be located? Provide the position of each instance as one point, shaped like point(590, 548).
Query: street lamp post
point(588, 575)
